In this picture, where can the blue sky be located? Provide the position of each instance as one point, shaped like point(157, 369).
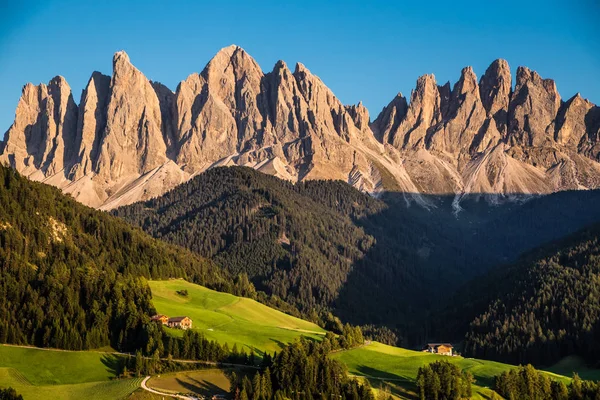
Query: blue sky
point(364, 51)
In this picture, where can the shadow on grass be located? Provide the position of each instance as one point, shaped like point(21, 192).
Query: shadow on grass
point(201, 387)
point(112, 363)
point(396, 384)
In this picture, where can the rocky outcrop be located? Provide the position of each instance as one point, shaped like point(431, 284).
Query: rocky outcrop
point(132, 143)
point(532, 109)
point(91, 124)
point(495, 88)
point(41, 140)
point(131, 139)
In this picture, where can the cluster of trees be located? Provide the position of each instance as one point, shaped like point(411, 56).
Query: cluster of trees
point(442, 380)
point(158, 351)
point(544, 307)
point(301, 370)
point(162, 353)
point(74, 278)
point(526, 383)
point(10, 394)
point(381, 334)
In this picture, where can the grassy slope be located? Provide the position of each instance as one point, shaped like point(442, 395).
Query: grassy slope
point(399, 367)
point(62, 374)
point(571, 364)
point(228, 318)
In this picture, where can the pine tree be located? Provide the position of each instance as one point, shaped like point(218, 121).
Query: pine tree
point(139, 363)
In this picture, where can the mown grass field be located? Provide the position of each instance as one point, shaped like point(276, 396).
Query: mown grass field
point(206, 382)
point(398, 368)
point(55, 374)
point(230, 319)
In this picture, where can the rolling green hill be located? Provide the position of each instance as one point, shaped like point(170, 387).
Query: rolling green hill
point(398, 368)
point(61, 375)
point(230, 319)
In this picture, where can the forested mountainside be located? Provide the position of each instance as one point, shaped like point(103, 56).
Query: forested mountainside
point(542, 308)
point(298, 242)
point(72, 277)
point(323, 245)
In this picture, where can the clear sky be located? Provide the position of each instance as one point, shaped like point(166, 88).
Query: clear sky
point(363, 50)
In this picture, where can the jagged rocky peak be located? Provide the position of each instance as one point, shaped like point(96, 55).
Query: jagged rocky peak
point(495, 87)
point(533, 107)
point(463, 119)
point(423, 112)
point(131, 138)
point(90, 125)
point(467, 82)
point(133, 142)
point(359, 114)
point(389, 118)
point(42, 136)
point(571, 126)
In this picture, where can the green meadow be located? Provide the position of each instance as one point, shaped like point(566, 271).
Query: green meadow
point(398, 368)
point(233, 320)
point(56, 374)
point(230, 319)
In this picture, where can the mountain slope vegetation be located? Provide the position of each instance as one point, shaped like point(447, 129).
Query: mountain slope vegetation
point(72, 277)
point(324, 246)
point(540, 309)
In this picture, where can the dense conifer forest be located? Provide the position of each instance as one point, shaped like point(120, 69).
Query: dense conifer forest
point(302, 370)
point(72, 277)
point(323, 246)
point(299, 242)
point(538, 310)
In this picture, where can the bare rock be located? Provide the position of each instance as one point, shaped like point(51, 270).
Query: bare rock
point(389, 119)
point(133, 142)
point(42, 136)
point(465, 117)
point(495, 88)
point(533, 107)
point(91, 124)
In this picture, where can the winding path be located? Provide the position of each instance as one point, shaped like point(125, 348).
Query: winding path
point(177, 396)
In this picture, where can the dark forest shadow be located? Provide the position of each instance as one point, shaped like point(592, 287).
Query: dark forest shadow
point(421, 256)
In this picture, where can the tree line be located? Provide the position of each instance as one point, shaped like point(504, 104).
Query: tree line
point(442, 380)
point(302, 370)
point(526, 383)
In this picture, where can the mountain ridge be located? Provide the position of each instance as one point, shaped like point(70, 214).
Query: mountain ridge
point(131, 139)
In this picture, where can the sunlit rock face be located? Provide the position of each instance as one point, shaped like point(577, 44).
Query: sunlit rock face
point(131, 139)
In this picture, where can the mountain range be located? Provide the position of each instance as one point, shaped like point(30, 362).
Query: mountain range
point(131, 139)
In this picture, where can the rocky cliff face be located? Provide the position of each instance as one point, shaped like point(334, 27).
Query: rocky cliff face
point(131, 139)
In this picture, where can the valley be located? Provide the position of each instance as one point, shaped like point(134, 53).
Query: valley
point(73, 374)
